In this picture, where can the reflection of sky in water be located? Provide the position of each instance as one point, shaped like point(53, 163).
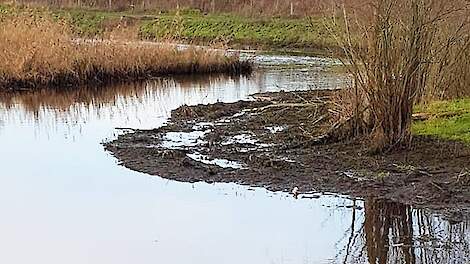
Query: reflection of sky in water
point(64, 200)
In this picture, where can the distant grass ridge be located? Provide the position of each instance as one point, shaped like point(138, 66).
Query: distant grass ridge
point(241, 31)
point(85, 23)
point(191, 26)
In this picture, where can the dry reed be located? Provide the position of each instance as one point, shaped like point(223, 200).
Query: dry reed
point(38, 51)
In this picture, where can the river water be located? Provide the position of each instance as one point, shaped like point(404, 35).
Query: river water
point(63, 199)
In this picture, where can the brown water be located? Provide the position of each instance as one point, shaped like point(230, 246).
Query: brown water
point(63, 199)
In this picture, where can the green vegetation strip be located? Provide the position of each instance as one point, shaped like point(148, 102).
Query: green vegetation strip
point(314, 33)
point(262, 32)
point(446, 119)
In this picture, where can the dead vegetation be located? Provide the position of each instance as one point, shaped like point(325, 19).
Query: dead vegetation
point(39, 51)
point(399, 52)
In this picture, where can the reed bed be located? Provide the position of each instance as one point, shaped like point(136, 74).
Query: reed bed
point(39, 51)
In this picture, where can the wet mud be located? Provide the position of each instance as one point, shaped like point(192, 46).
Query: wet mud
point(271, 141)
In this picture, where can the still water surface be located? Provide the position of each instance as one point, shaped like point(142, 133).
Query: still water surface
point(63, 199)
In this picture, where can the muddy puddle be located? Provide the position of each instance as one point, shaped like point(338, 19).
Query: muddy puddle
point(65, 200)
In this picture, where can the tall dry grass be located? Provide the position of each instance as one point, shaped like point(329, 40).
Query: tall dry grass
point(398, 52)
point(37, 51)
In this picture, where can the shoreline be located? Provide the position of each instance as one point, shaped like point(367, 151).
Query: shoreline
point(110, 77)
point(267, 143)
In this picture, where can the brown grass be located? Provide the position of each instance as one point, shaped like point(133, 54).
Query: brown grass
point(401, 51)
point(37, 51)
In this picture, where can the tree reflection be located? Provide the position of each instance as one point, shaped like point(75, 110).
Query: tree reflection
point(395, 233)
point(388, 232)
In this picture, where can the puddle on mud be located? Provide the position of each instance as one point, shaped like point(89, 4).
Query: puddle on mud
point(179, 140)
point(64, 200)
point(223, 163)
point(276, 129)
point(241, 139)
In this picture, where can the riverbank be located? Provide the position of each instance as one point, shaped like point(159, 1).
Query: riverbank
point(39, 51)
point(272, 142)
point(307, 34)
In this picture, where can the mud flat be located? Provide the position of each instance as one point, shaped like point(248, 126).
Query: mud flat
point(273, 141)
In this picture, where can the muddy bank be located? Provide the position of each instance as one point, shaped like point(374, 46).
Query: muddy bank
point(271, 142)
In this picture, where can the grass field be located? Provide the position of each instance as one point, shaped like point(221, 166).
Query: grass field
point(266, 33)
point(191, 26)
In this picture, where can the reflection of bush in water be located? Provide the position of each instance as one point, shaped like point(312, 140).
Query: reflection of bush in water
point(395, 233)
point(388, 224)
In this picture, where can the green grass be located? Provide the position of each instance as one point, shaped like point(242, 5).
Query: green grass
point(4, 9)
point(448, 120)
point(241, 31)
point(195, 27)
point(84, 23)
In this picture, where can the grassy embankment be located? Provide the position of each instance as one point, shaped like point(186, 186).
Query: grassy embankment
point(39, 51)
point(241, 7)
point(191, 26)
point(444, 119)
point(236, 31)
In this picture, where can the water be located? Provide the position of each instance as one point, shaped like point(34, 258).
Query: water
point(63, 199)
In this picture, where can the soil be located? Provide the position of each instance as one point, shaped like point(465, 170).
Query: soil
point(271, 141)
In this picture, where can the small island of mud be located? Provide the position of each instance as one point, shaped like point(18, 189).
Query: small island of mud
point(274, 141)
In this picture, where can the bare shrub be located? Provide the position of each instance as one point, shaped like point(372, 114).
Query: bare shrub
point(450, 76)
point(398, 51)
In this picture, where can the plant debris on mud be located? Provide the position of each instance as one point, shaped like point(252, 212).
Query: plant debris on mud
point(274, 141)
